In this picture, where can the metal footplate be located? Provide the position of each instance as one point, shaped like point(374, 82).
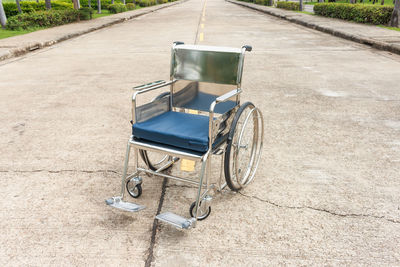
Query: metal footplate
point(118, 203)
point(176, 220)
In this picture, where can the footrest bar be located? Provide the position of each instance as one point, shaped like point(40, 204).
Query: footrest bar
point(176, 220)
point(118, 203)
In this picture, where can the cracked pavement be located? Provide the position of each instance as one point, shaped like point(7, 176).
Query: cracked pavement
point(326, 193)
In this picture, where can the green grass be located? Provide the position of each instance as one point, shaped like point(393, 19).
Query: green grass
point(390, 28)
point(104, 12)
point(8, 33)
point(304, 12)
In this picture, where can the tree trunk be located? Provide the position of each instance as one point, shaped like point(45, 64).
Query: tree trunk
point(394, 21)
point(18, 6)
point(3, 19)
point(48, 4)
point(76, 4)
point(99, 6)
point(301, 5)
point(112, 2)
point(124, 2)
point(382, 2)
point(89, 3)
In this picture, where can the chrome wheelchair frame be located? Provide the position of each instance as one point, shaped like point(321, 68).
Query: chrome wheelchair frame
point(219, 127)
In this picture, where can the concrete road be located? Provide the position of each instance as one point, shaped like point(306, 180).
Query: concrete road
point(327, 191)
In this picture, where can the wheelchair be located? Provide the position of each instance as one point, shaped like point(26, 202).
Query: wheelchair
point(198, 119)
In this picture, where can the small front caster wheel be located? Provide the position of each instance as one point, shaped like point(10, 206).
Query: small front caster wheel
point(203, 211)
point(134, 190)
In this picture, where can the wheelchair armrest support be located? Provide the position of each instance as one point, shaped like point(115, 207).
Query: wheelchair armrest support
point(144, 89)
point(218, 100)
point(148, 85)
point(228, 95)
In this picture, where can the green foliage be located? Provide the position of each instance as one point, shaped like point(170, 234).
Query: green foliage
point(117, 8)
point(86, 13)
point(288, 5)
point(42, 19)
point(355, 12)
point(264, 2)
point(144, 3)
point(11, 9)
point(130, 6)
point(104, 3)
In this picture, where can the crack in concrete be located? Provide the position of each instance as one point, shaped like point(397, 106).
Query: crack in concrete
point(150, 251)
point(321, 210)
point(58, 171)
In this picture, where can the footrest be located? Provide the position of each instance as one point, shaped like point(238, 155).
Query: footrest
point(176, 220)
point(118, 203)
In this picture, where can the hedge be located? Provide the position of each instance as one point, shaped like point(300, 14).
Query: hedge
point(104, 3)
point(117, 8)
point(10, 8)
point(130, 6)
point(264, 2)
point(355, 12)
point(288, 5)
point(86, 13)
point(42, 19)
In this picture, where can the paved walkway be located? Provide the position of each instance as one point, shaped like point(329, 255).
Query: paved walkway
point(19, 45)
point(327, 191)
point(379, 38)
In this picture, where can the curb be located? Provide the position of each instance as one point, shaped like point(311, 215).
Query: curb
point(16, 52)
point(338, 33)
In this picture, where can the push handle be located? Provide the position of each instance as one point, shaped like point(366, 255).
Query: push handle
point(178, 43)
point(248, 48)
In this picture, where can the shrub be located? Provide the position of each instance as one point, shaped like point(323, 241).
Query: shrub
point(264, 2)
point(117, 8)
point(42, 19)
point(288, 5)
point(85, 13)
point(144, 3)
point(355, 12)
point(130, 6)
point(10, 8)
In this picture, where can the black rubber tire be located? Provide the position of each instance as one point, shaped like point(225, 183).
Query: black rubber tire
point(143, 153)
point(202, 217)
point(227, 171)
point(139, 190)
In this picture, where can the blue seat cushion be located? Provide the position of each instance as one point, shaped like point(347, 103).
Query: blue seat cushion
point(202, 101)
point(183, 130)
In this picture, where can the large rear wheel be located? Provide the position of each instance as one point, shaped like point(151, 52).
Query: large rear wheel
point(244, 146)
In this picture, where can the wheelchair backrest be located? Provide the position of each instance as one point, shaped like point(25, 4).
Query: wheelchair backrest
point(203, 74)
point(222, 65)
